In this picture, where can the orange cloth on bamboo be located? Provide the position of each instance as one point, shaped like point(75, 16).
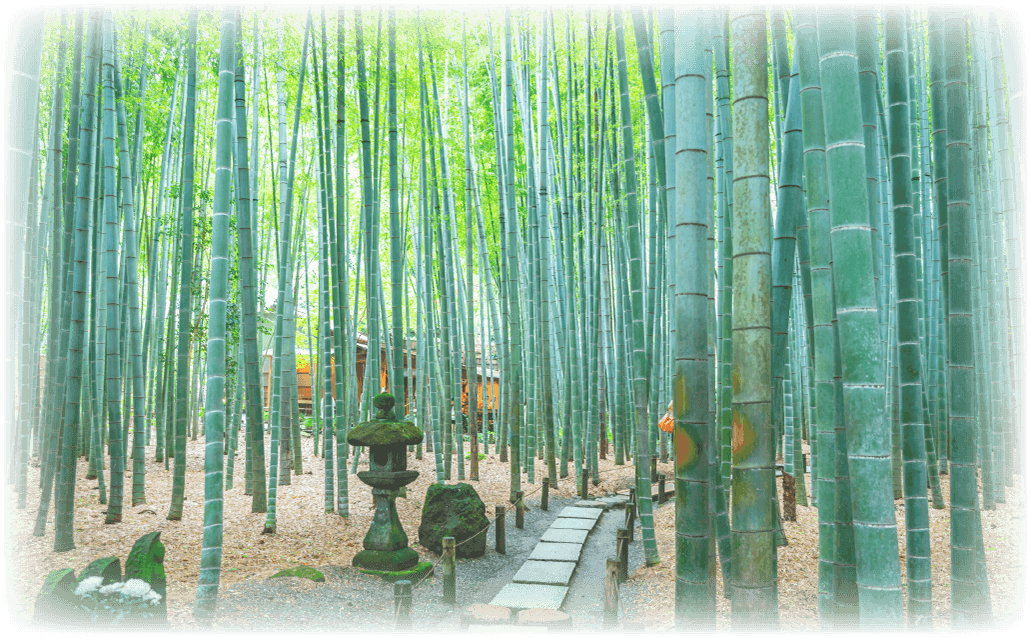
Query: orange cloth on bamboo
point(666, 423)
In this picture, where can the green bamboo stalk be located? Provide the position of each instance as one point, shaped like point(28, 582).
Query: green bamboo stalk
point(753, 574)
point(868, 444)
point(339, 253)
point(65, 501)
point(515, 333)
point(966, 603)
point(185, 287)
point(51, 209)
point(720, 37)
point(917, 532)
point(135, 346)
point(690, 219)
point(245, 217)
point(214, 411)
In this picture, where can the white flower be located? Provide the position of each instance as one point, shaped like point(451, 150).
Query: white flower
point(88, 585)
point(136, 588)
point(112, 588)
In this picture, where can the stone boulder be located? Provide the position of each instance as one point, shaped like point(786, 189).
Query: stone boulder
point(56, 603)
point(454, 510)
point(550, 618)
point(109, 569)
point(146, 562)
point(482, 614)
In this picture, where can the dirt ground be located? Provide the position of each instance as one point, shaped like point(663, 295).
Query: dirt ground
point(306, 534)
point(798, 564)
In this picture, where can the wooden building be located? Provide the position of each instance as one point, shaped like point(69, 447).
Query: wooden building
point(488, 385)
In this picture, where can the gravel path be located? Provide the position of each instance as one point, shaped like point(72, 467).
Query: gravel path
point(351, 601)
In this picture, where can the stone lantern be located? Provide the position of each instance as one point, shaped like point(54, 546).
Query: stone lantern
point(386, 544)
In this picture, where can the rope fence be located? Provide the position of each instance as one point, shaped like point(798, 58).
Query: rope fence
point(403, 599)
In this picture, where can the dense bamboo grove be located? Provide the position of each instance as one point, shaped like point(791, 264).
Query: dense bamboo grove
point(788, 226)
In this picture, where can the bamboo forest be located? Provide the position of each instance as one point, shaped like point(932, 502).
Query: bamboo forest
point(769, 255)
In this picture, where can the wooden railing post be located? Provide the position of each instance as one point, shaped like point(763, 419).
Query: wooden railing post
point(543, 496)
point(611, 595)
point(622, 551)
point(402, 603)
point(519, 510)
point(661, 489)
point(499, 529)
point(448, 570)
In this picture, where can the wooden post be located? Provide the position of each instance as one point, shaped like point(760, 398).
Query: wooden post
point(402, 603)
point(654, 468)
point(631, 519)
point(499, 530)
point(622, 538)
point(661, 489)
point(790, 510)
point(585, 477)
point(448, 570)
point(611, 595)
point(518, 510)
point(543, 497)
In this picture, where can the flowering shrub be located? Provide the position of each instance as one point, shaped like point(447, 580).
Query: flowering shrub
point(130, 602)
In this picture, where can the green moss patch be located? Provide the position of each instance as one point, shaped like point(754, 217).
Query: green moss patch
point(302, 571)
point(415, 574)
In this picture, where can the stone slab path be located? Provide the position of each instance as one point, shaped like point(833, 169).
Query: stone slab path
point(543, 581)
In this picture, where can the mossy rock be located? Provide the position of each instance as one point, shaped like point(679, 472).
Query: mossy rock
point(56, 603)
point(302, 571)
point(109, 569)
point(372, 433)
point(415, 574)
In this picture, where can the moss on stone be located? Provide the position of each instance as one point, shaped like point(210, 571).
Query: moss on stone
point(385, 433)
point(302, 571)
point(415, 574)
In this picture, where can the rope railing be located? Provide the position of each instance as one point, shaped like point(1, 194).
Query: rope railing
point(403, 594)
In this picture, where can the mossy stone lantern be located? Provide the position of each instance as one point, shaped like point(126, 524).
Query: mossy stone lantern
point(386, 544)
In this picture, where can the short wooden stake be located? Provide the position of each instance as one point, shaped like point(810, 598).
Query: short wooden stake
point(584, 478)
point(631, 519)
point(499, 530)
point(661, 489)
point(543, 497)
point(654, 469)
point(448, 570)
point(611, 595)
point(622, 538)
point(402, 603)
point(519, 510)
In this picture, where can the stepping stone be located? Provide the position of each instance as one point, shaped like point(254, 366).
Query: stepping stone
point(574, 523)
point(523, 596)
point(506, 629)
point(57, 603)
point(618, 500)
point(550, 618)
point(596, 504)
point(545, 572)
point(559, 535)
point(556, 551)
point(483, 615)
point(580, 512)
